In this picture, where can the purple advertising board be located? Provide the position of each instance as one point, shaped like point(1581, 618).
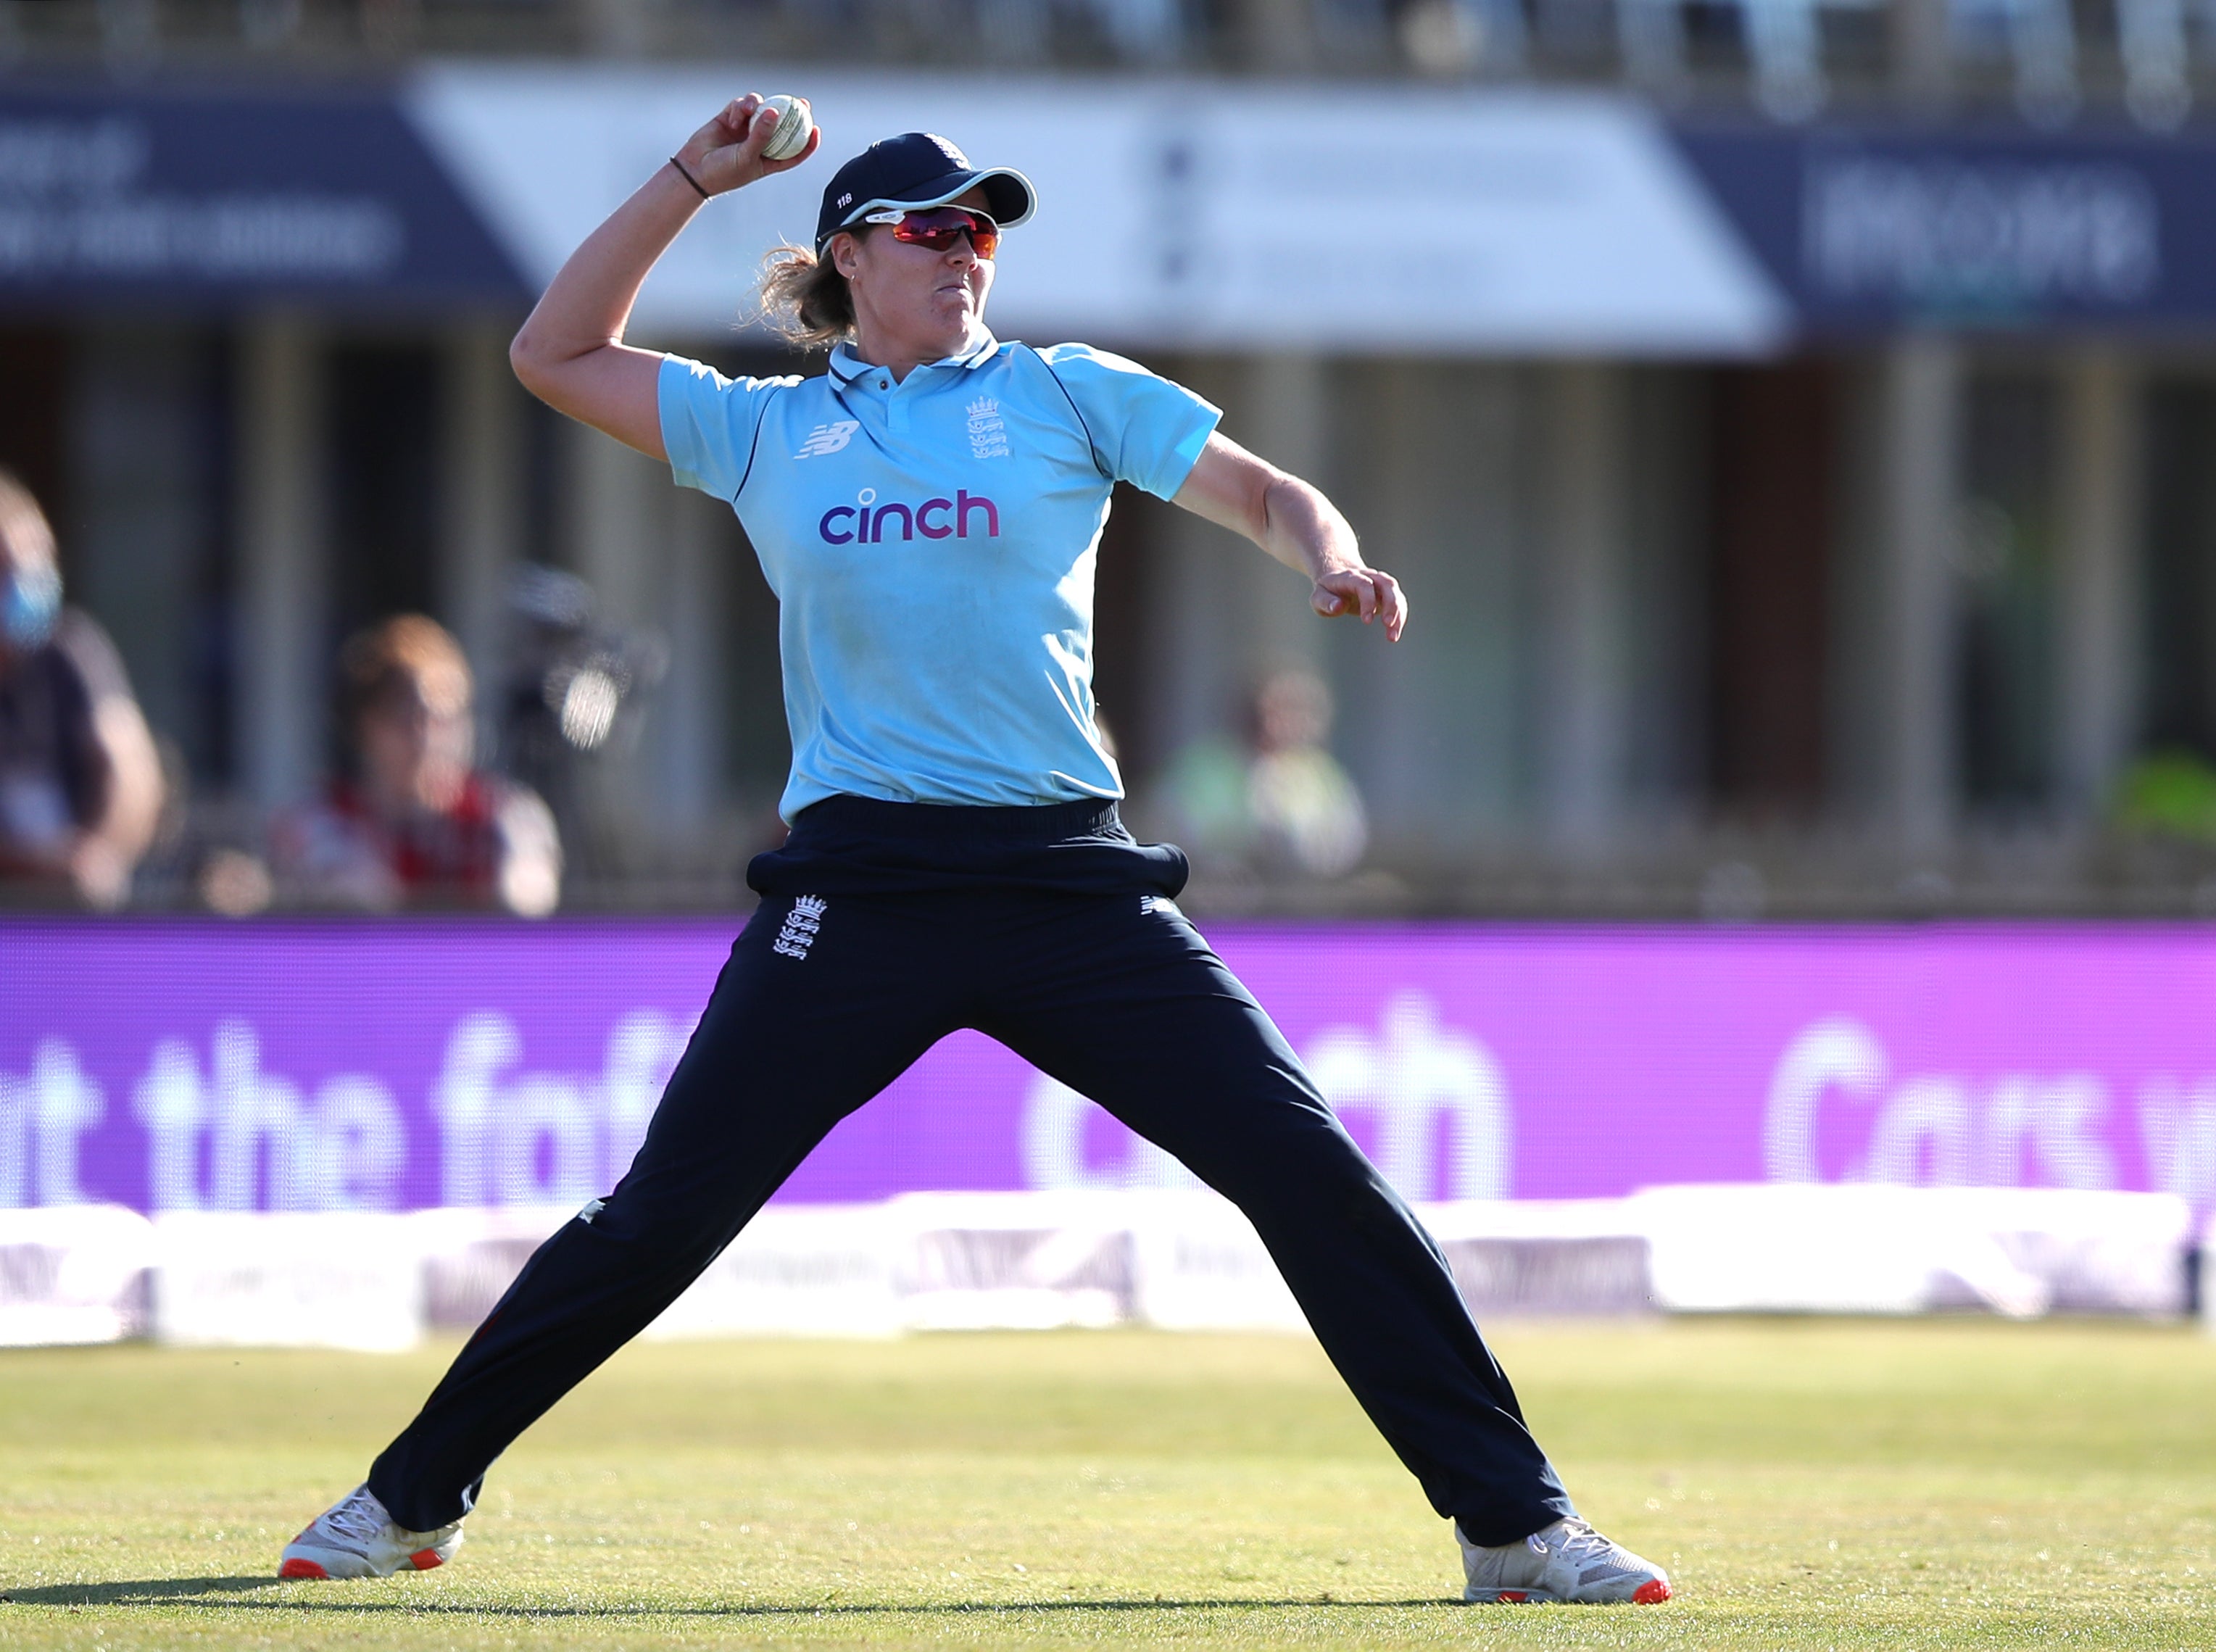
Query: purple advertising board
point(200, 1065)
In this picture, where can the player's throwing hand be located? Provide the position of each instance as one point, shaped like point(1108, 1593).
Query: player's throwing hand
point(726, 154)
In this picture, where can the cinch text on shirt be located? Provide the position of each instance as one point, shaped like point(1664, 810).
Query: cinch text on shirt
point(863, 522)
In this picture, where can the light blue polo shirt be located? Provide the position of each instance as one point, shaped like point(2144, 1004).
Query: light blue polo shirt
point(931, 545)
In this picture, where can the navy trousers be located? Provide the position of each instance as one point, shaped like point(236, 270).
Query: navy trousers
point(827, 998)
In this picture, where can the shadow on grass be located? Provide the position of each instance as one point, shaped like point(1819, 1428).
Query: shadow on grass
point(197, 1591)
point(142, 1591)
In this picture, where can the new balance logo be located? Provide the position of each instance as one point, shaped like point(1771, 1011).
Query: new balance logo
point(801, 927)
point(988, 434)
point(828, 439)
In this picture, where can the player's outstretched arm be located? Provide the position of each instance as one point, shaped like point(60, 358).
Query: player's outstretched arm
point(572, 352)
point(1293, 523)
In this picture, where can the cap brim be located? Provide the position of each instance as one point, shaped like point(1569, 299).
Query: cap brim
point(1009, 196)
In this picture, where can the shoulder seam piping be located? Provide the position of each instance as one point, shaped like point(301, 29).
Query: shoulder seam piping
point(753, 447)
point(1091, 446)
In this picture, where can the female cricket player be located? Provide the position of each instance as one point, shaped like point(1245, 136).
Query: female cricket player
point(928, 512)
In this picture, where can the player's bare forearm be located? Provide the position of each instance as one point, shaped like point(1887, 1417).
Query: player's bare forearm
point(570, 353)
point(1304, 530)
point(1295, 523)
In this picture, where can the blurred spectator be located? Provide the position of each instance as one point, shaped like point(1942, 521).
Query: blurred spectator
point(80, 784)
point(1282, 808)
point(413, 824)
point(1307, 812)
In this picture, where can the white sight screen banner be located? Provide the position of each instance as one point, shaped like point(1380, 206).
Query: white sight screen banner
point(1172, 214)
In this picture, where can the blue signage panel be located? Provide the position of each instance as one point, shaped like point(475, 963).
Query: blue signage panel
point(205, 199)
point(1869, 229)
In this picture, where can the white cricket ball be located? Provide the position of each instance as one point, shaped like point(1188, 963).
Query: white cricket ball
point(793, 125)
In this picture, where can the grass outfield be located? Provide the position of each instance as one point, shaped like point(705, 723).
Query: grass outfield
point(1809, 1484)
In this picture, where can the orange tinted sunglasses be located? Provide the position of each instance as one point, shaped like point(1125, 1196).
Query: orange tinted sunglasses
point(937, 227)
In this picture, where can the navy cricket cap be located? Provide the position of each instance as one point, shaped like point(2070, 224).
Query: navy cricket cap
point(918, 169)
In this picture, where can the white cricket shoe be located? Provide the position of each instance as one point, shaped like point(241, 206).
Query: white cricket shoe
point(1566, 1561)
point(355, 1538)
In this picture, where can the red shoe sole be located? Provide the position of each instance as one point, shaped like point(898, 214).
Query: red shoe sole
point(424, 1559)
point(1652, 1592)
point(298, 1567)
